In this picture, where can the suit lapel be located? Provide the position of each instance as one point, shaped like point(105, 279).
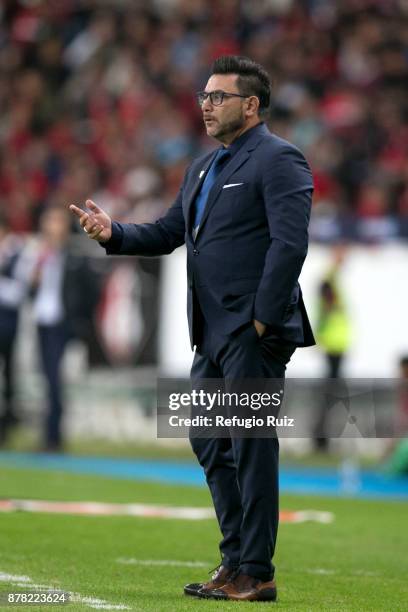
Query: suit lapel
point(197, 186)
point(238, 160)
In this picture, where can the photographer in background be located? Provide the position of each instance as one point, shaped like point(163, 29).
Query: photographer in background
point(66, 292)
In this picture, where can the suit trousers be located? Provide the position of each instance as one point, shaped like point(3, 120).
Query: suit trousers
point(242, 473)
point(8, 337)
point(53, 340)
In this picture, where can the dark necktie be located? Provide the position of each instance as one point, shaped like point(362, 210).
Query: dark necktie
point(201, 200)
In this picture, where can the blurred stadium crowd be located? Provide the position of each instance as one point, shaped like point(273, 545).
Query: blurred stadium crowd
point(97, 98)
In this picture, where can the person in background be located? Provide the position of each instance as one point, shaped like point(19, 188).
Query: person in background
point(13, 289)
point(333, 333)
point(396, 453)
point(403, 411)
point(66, 293)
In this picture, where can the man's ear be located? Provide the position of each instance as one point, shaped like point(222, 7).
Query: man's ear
point(252, 106)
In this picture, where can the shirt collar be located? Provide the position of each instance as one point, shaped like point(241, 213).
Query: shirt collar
point(241, 140)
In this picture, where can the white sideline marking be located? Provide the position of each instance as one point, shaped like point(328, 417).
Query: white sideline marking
point(169, 562)
point(12, 578)
point(91, 602)
point(330, 572)
point(98, 604)
point(319, 571)
point(365, 573)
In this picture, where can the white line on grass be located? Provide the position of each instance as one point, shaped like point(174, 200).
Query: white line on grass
point(27, 583)
point(330, 572)
point(99, 604)
point(162, 562)
point(322, 571)
point(14, 579)
point(365, 573)
point(319, 571)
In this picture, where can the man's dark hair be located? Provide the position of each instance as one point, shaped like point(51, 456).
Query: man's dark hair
point(253, 80)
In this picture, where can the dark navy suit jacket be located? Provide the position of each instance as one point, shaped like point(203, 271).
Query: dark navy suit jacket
point(252, 240)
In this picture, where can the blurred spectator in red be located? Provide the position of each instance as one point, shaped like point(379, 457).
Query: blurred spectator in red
point(90, 92)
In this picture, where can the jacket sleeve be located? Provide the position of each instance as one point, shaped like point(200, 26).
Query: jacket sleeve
point(287, 190)
point(149, 239)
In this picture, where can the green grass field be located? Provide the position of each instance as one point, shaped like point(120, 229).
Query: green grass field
point(358, 562)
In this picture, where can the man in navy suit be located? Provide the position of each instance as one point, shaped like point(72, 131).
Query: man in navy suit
point(243, 213)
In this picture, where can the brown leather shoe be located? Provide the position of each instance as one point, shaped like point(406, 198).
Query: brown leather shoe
point(246, 588)
point(218, 579)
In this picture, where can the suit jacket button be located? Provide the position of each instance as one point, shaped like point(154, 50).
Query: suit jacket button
point(195, 252)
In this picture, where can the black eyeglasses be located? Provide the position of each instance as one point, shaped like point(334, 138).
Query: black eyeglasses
point(216, 97)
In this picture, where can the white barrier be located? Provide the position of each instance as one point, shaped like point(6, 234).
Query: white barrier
point(374, 282)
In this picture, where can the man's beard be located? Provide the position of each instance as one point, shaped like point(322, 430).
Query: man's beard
point(234, 125)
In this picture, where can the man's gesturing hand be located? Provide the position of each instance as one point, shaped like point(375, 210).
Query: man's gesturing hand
point(97, 224)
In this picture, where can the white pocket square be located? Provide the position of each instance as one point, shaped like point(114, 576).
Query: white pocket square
point(232, 185)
